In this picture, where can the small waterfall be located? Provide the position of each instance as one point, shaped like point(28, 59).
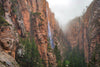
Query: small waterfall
point(50, 36)
point(49, 31)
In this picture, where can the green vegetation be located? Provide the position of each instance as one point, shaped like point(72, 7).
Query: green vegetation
point(41, 19)
point(3, 22)
point(57, 53)
point(59, 64)
point(94, 61)
point(58, 56)
point(14, 7)
point(65, 63)
point(1, 10)
point(40, 24)
point(49, 47)
point(14, 10)
point(75, 58)
point(31, 57)
point(36, 14)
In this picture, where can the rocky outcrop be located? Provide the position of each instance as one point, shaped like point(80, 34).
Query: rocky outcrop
point(8, 40)
point(7, 61)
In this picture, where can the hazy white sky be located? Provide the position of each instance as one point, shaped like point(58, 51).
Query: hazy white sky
point(65, 10)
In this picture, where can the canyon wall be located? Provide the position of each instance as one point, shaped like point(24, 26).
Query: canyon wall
point(84, 31)
point(18, 18)
point(91, 29)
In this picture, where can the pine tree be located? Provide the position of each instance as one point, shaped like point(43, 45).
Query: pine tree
point(58, 56)
point(31, 57)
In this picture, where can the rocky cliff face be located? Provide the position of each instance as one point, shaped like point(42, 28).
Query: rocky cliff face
point(7, 61)
point(25, 16)
point(92, 25)
point(73, 32)
point(84, 31)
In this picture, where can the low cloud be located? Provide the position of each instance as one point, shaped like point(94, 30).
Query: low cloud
point(65, 10)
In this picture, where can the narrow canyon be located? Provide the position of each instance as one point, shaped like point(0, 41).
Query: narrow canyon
point(30, 36)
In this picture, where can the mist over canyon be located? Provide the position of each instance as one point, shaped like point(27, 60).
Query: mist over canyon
point(52, 33)
point(67, 10)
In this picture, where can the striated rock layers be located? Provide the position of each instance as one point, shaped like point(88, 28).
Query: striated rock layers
point(85, 32)
point(7, 61)
point(25, 16)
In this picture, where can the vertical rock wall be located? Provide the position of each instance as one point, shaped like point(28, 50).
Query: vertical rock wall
point(84, 31)
point(25, 16)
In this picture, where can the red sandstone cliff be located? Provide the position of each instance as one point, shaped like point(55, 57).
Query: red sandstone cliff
point(84, 31)
point(26, 16)
point(30, 16)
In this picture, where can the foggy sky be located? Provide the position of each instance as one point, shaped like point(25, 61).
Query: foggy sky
point(65, 10)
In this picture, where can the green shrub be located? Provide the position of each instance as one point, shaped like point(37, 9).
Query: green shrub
point(36, 14)
point(14, 10)
point(14, 7)
point(59, 64)
point(3, 22)
point(49, 47)
point(40, 24)
point(41, 19)
point(65, 63)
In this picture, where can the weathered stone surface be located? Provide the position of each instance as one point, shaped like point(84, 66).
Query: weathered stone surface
point(7, 61)
point(25, 16)
point(84, 31)
point(52, 59)
point(8, 40)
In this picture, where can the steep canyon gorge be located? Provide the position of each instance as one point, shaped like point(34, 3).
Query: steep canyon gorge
point(30, 36)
